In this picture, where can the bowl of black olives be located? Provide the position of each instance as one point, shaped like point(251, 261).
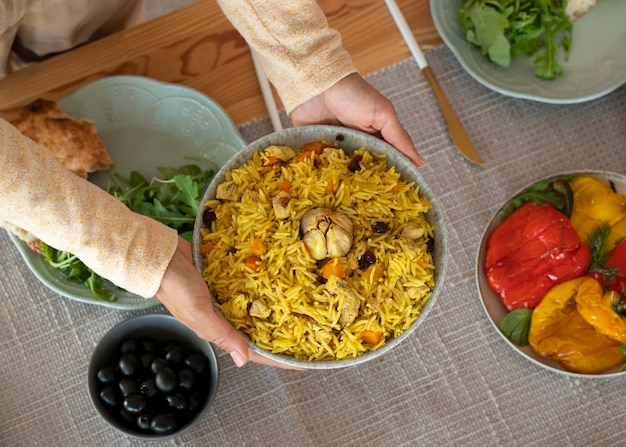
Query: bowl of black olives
point(151, 377)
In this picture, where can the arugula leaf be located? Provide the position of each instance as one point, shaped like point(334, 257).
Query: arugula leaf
point(173, 200)
point(557, 193)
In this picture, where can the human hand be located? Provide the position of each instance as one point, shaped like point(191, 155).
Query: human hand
point(352, 102)
point(185, 294)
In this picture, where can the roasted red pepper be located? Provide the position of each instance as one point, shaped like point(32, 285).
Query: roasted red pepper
point(613, 272)
point(534, 249)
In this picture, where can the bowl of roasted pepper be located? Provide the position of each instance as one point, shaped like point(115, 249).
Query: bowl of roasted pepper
point(551, 271)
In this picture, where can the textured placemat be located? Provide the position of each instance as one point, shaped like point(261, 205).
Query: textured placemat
point(455, 382)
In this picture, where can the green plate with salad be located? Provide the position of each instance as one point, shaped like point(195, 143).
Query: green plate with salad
point(152, 130)
point(595, 66)
point(551, 273)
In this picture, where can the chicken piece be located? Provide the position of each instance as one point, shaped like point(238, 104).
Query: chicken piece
point(227, 191)
point(351, 300)
point(412, 231)
point(250, 196)
point(259, 309)
point(280, 203)
point(282, 153)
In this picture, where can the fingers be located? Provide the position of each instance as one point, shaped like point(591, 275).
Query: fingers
point(394, 134)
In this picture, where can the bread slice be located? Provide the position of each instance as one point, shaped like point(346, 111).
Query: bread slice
point(575, 9)
point(75, 143)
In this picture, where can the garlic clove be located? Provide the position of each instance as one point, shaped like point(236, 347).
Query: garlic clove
point(315, 241)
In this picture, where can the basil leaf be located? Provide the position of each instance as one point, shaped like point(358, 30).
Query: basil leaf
point(516, 324)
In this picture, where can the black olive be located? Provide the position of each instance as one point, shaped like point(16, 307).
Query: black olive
point(163, 424)
point(196, 398)
point(143, 421)
point(175, 354)
point(177, 401)
point(127, 417)
point(355, 163)
point(380, 227)
point(208, 217)
point(197, 362)
point(108, 396)
point(127, 386)
point(148, 388)
point(186, 378)
point(106, 374)
point(146, 359)
point(158, 364)
point(367, 259)
point(128, 364)
point(134, 403)
point(130, 345)
point(149, 345)
point(165, 380)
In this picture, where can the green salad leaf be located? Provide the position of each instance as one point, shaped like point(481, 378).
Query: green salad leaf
point(504, 29)
point(172, 199)
point(516, 325)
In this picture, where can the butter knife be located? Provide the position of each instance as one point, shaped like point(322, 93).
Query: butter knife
point(458, 135)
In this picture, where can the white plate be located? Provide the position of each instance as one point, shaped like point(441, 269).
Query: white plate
point(490, 301)
point(596, 66)
point(144, 124)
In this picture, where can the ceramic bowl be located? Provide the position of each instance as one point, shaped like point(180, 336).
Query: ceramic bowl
point(489, 299)
point(349, 140)
point(185, 394)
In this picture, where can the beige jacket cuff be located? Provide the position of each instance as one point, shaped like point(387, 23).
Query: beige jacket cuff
point(71, 214)
point(300, 54)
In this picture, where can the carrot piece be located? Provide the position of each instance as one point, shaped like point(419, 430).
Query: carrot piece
point(304, 155)
point(252, 262)
point(271, 160)
point(424, 262)
point(373, 273)
point(314, 146)
point(371, 337)
point(330, 186)
point(394, 189)
point(285, 185)
point(205, 249)
point(333, 267)
point(257, 246)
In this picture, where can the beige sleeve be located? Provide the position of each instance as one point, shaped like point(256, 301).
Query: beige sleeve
point(73, 215)
point(300, 54)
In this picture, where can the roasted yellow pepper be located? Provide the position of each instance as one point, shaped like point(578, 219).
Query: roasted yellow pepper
point(559, 331)
point(596, 204)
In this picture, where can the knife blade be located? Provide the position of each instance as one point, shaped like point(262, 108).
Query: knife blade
point(455, 129)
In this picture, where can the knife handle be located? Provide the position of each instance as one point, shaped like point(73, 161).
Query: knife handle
point(459, 137)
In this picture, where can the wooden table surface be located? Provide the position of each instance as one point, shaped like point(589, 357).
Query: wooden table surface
point(196, 46)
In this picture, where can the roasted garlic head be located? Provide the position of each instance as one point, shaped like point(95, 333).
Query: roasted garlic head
point(326, 233)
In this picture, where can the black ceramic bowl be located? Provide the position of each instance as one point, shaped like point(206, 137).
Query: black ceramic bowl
point(142, 403)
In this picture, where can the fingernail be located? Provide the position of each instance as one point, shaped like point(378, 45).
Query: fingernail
point(237, 358)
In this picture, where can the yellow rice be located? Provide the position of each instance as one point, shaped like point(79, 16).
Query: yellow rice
point(303, 318)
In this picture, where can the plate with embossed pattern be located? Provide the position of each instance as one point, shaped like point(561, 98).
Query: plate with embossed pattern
point(145, 124)
point(596, 65)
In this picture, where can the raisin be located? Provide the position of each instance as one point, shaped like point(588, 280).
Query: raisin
point(208, 217)
point(367, 259)
point(355, 163)
point(380, 227)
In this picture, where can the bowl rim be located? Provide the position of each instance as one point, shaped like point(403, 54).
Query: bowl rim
point(114, 335)
point(349, 140)
point(480, 280)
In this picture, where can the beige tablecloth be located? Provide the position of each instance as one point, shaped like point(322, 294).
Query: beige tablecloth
point(455, 382)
